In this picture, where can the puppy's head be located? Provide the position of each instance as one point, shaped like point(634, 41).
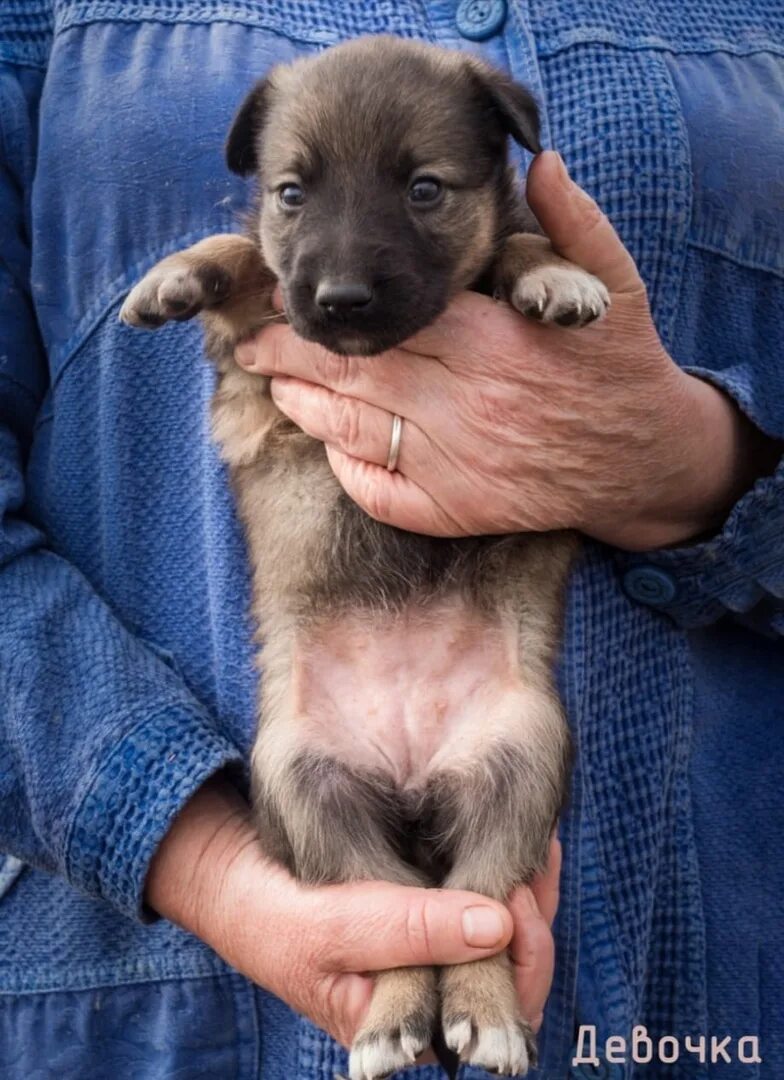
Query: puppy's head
point(384, 183)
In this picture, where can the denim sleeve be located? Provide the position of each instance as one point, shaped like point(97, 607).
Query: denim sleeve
point(101, 742)
point(738, 571)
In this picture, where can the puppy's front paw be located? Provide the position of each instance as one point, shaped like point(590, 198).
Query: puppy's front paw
point(376, 1054)
point(175, 289)
point(560, 293)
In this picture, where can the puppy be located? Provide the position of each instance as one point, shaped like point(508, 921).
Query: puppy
point(410, 730)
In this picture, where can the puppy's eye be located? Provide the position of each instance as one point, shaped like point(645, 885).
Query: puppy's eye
point(426, 191)
point(291, 196)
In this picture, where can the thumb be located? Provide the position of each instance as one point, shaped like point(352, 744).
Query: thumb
point(377, 926)
point(576, 227)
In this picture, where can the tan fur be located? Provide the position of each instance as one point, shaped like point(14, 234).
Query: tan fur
point(480, 1016)
point(409, 994)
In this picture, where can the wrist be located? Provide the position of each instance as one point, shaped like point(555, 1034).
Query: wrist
point(727, 454)
point(716, 455)
point(188, 880)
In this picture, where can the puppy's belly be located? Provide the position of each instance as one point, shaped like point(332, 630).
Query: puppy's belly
point(408, 693)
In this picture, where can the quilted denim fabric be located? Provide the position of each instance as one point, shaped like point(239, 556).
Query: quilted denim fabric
point(126, 655)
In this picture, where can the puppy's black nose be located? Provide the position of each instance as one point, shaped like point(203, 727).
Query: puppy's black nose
point(343, 297)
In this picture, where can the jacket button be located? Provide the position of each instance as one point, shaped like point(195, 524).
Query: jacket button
point(478, 20)
point(649, 585)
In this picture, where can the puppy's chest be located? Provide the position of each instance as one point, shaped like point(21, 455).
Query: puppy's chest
point(404, 694)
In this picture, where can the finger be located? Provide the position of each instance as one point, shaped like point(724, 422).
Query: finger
point(373, 926)
point(392, 497)
point(533, 955)
point(342, 1001)
point(355, 428)
point(546, 887)
point(576, 226)
point(388, 381)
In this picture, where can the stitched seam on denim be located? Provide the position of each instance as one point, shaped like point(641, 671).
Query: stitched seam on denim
point(697, 934)
point(258, 1029)
point(572, 937)
point(51, 980)
point(666, 331)
point(609, 969)
point(609, 966)
point(609, 40)
point(290, 34)
point(732, 580)
point(4, 144)
point(246, 1028)
point(745, 264)
point(292, 25)
point(574, 679)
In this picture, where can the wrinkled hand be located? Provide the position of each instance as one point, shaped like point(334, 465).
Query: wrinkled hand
point(512, 426)
point(313, 946)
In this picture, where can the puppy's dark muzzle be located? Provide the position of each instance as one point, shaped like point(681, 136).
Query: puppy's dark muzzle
point(358, 313)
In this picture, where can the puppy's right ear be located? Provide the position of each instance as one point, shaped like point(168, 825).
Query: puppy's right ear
point(242, 155)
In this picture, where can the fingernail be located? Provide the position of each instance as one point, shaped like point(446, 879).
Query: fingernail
point(243, 354)
point(483, 927)
point(563, 171)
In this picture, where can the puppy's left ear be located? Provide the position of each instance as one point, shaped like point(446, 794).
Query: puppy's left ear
point(242, 155)
point(513, 105)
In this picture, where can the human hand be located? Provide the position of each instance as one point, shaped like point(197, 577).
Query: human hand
point(313, 946)
point(512, 426)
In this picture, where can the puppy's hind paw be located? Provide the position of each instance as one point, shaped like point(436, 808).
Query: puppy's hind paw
point(174, 289)
point(375, 1055)
point(560, 293)
point(508, 1049)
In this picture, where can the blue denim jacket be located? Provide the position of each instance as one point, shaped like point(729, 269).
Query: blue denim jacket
point(126, 670)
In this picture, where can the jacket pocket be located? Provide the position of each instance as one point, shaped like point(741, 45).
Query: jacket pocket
point(732, 114)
